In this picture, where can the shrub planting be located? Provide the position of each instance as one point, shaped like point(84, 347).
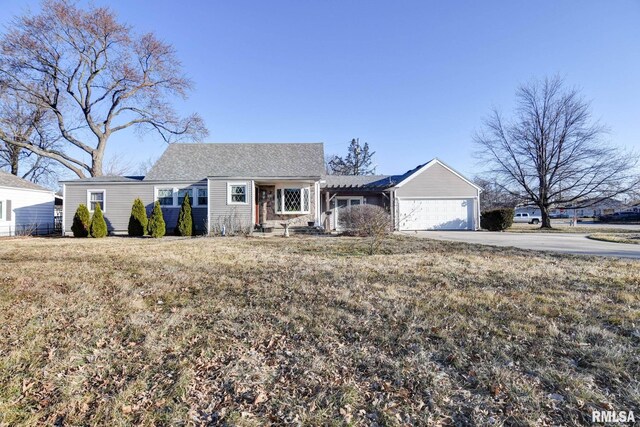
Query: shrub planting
point(185, 219)
point(98, 226)
point(81, 222)
point(156, 225)
point(231, 224)
point(138, 219)
point(370, 221)
point(497, 219)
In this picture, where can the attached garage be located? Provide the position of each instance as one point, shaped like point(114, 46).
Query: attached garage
point(435, 197)
point(431, 196)
point(436, 214)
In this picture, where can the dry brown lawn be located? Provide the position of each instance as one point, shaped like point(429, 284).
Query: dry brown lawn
point(310, 331)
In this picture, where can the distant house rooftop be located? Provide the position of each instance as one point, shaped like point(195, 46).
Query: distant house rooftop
point(12, 181)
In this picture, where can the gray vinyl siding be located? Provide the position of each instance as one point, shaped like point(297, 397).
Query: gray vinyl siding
point(437, 181)
point(119, 199)
point(220, 209)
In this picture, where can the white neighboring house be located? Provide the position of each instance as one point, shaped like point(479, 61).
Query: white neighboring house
point(25, 207)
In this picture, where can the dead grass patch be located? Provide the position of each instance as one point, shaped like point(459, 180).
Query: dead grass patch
point(310, 331)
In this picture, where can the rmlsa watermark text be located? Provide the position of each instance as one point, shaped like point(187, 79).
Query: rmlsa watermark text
point(612, 417)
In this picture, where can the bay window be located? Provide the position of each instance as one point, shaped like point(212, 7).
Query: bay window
point(292, 200)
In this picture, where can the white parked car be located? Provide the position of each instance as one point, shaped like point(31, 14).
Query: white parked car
point(527, 218)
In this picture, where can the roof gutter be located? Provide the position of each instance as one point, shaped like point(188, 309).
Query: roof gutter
point(269, 178)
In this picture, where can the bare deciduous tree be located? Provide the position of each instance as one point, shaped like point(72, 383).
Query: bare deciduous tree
point(22, 121)
point(117, 164)
point(357, 162)
point(145, 166)
point(494, 196)
point(96, 78)
point(552, 153)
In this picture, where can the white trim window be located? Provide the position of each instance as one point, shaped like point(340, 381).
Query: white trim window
point(237, 193)
point(164, 196)
point(293, 200)
point(95, 197)
point(181, 194)
point(2, 208)
point(172, 197)
point(203, 196)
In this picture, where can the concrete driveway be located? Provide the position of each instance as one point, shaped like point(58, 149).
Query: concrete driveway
point(556, 242)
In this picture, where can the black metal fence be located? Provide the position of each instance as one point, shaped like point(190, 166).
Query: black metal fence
point(49, 229)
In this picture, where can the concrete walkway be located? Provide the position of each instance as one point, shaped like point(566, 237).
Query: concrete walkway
point(556, 242)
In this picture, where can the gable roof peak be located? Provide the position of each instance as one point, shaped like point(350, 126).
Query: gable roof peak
point(196, 161)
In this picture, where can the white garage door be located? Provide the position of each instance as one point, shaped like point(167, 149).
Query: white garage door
point(435, 214)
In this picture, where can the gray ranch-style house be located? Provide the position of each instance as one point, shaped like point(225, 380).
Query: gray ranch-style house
point(265, 186)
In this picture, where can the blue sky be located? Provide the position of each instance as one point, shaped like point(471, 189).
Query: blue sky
point(414, 79)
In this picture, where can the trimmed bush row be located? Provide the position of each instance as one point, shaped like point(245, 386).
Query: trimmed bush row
point(85, 224)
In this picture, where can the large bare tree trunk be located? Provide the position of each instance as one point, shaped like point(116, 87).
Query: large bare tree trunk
point(544, 213)
point(14, 158)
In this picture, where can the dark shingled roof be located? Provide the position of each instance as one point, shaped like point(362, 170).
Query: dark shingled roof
point(198, 161)
point(355, 181)
point(9, 180)
point(107, 178)
point(366, 182)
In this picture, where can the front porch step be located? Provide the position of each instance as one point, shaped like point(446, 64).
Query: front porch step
point(294, 229)
point(305, 230)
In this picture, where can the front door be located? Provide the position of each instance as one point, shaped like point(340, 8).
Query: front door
point(343, 203)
